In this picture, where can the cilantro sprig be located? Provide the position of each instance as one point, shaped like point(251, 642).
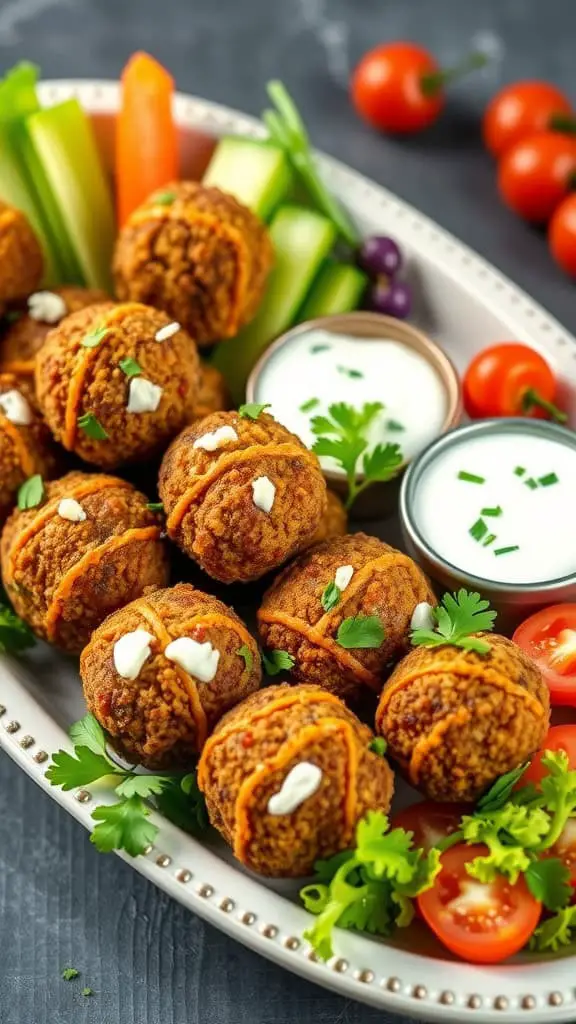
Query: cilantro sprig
point(341, 435)
point(15, 635)
point(369, 888)
point(125, 824)
point(252, 410)
point(457, 618)
point(277, 661)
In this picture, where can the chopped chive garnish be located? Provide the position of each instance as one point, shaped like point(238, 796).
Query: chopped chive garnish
point(506, 551)
point(496, 511)
point(348, 372)
point(394, 426)
point(519, 471)
point(531, 483)
point(489, 540)
point(471, 478)
point(309, 405)
point(479, 530)
point(319, 348)
point(546, 481)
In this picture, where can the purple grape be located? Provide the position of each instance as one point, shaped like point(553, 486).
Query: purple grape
point(380, 255)
point(393, 298)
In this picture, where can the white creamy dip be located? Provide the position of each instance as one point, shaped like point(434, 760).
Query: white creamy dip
point(534, 512)
point(198, 660)
point(131, 651)
point(330, 368)
point(301, 782)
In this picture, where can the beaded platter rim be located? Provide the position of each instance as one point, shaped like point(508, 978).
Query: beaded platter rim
point(261, 918)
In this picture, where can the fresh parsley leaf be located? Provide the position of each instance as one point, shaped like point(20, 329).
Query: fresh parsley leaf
point(548, 881)
point(15, 635)
point(155, 506)
point(184, 805)
point(130, 367)
point(555, 932)
point(361, 631)
point(69, 973)
point(558, 790)
point(312, 403)
point(142, 785)
point(330, 596)
point(93, 338)
point(87, 991)
point(31, 493)
point(277, 661)
point(245, 653)
point(164, 198)
point(78, 769)
point(382, 462)
point(92, 427)
point(509, 833)
point(501, 790)
point(88, 732)
point(123, 826)
point(252, 410)
point(457, 617)
point(378, 746)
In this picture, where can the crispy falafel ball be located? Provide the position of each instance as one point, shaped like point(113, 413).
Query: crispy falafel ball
point(240, 495)
point(334, 522)
point(88, 548)
point(300, 616)
point(213, 394)
point(198, 254)
point(456, 720)
point(25, 336)
point(26, 446)
point(21, 259)
point(159, 673)
point(287, 775)
point(116, 382)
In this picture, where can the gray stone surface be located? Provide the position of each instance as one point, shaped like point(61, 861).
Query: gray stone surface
point(148, 960)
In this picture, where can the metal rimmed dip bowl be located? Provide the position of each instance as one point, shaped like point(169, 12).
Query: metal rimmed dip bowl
point(514, 600)
point(380, 499)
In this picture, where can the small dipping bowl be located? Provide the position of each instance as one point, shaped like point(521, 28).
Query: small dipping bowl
point(521, 444)
point(380, 499)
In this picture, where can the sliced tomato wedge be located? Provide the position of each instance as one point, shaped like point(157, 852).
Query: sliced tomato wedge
point(430, 822)
point(483, 924)
point(549, 638)
point(558, 737)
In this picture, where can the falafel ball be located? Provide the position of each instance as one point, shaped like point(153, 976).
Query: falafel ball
point(240, 495)
point(456, 720)
point(334, 522)
point(116, 382)
point(213, 394)
point(26, 446)
point(287, 775)
point(198, 254)
point(339, 584)
point(159, 673)
point(21, 259)
point(27, 333)
point(89, 547)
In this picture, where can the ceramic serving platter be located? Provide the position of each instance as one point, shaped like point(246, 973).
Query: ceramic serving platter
point(463, 303)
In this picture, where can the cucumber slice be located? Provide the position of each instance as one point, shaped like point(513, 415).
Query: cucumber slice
point(256, 172)
point(338, 288)
point(63, 141)
point(302, 239)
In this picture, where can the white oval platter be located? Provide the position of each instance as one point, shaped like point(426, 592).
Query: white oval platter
point(465, 303)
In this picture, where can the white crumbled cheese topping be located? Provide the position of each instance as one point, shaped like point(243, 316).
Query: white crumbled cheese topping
point(423, 616)
point(264, 492)
point(47, 307)
point(167, 332)
point(143, 395)
point(16, 408)
point(215, 439)
point(70, 509)
point(131, 651)
point(301, 782)
point(343, 575)
point(199, 660)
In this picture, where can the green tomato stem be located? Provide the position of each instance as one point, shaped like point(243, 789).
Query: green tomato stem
point(531, 399)
point(562, 123)
point(432, 83)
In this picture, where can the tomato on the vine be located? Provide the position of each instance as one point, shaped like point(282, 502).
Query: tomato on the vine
point(549, 638)
point(536, 174)
point(510, 379)
point(562, 235)
point(521, 109)
point(482, 923)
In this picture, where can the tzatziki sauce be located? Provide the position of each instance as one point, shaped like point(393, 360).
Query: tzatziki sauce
point(317, 368)
point(501, 506)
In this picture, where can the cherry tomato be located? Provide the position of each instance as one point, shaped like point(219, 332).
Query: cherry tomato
point(562, 235)
point(482, 923)
point(430, 822)
point(559, 737)
point(520, 109)
point(535, 174)
point(549, 638)
point(510, 379)
point(565, 850)
point(389, 88)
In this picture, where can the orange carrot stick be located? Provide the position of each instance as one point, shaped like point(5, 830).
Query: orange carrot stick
point(146, 135)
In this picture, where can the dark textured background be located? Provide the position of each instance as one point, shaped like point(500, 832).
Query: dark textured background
point(148, 960)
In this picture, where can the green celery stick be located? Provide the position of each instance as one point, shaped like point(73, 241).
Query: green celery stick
point(255, 171)
point(64, 142)
point(338, 288)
